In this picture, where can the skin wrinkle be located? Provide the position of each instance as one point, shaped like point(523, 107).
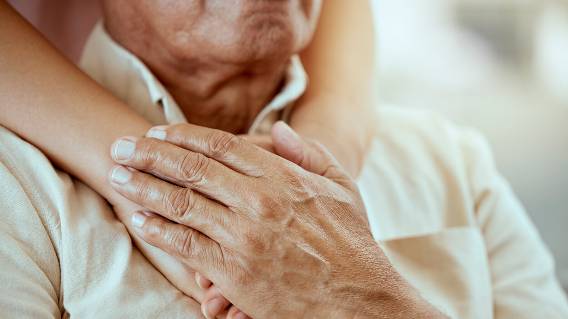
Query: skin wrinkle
point(243, 167)
point(314, 239)
point(220, 79)
point(337, 253)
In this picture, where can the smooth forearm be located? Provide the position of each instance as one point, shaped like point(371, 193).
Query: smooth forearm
point(339, 102)
point(49, 102)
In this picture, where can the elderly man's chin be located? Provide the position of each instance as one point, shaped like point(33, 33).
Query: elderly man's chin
point(260, 40)
point(271, 32)
point(212, 32)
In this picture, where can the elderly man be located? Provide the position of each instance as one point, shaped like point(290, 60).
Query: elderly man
point(448, 223)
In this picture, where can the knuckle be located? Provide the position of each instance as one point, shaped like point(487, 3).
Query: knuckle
point(143, 191)
point(180, 203)
point(295, 180)
point(146, 153)
point(193, 168)
point(220, 143)
point(299, 186)
point(183, 243)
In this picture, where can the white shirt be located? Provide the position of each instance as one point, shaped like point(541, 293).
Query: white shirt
point(446, 219)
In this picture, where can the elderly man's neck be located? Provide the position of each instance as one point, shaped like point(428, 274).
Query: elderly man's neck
point(211, 93)
point(221, 96)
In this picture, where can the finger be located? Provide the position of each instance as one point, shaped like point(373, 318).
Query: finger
point(311, 156)
point(235, 313)
point(187, 244)
point(231, 150)
point(181, 205)
point(180, 166)
point(201, 281)
point(262, 141)
point(214, 303)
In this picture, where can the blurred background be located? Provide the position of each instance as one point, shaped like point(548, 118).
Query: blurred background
point(500, 66)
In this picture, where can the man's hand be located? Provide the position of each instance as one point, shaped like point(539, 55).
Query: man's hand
point(277, 240)
point(287, 144)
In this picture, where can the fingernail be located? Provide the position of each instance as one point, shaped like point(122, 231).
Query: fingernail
point(214, 307)
point(202, 282)
point(286, 128)
point(149, 214)
point(198, 280)
point(120, 175)
point(123, 149)
point(157, 132)
point(288, 135)
point(138, 219)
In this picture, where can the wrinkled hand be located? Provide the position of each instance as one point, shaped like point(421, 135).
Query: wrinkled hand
point(290, 146)
point(277, 240)
point(213, 303)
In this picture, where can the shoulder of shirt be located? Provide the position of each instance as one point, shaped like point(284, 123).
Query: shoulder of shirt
point(430, 144)
point(431, 135)
point(27, 174)
point(16, 153)
point(425, 168)
point(28, 165)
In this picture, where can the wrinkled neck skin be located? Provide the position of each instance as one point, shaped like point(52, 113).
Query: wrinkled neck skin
point(222, 61)
point(225, 95)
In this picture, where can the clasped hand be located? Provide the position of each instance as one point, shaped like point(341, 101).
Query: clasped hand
point(278, 240)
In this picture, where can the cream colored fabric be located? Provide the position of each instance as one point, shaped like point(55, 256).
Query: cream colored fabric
point(436, 204)
point(63, 252)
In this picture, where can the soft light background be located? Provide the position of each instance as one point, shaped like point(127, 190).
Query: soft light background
point(498, 65)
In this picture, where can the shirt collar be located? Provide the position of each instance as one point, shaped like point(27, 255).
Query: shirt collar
point(125, 75)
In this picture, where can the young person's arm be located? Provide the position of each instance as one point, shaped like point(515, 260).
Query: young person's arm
point(39, 86)
point(339, 101)
point(49, 102)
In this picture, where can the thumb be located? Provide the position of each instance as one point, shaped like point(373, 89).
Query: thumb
point(309, 155)
point(262, 141)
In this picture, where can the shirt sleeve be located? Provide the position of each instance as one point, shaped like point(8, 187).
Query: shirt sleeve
point(29, 276)
point(524, 283)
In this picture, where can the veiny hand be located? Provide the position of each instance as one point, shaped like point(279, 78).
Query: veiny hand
point(282, 144)
point(213, 303)
point(278, 241)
